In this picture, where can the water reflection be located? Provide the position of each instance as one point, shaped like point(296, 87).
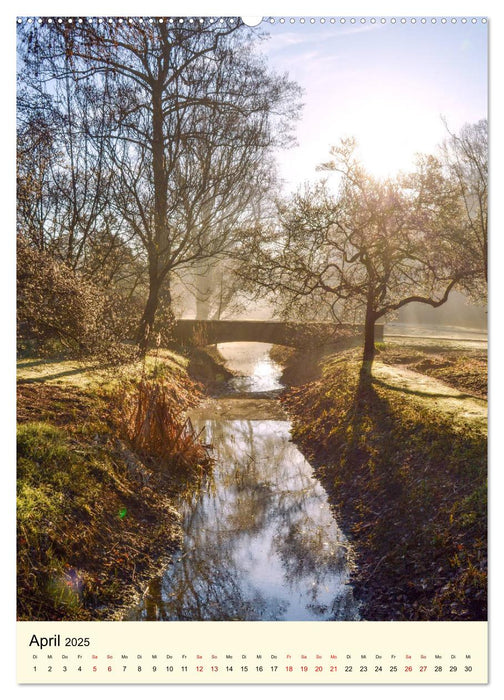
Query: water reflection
point(256, 371)
point(260, 540)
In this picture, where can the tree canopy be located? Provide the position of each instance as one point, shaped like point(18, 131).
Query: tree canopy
point(146, 154)
point(369, 249)
point(177, 141)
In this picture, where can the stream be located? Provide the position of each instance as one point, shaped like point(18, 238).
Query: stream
point(260, 540)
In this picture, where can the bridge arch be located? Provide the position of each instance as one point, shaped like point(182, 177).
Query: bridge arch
point(289, 333)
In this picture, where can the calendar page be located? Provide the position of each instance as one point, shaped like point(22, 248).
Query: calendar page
point(252, 266)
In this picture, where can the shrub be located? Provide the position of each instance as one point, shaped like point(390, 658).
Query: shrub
point(59, 310)
point(149, 416)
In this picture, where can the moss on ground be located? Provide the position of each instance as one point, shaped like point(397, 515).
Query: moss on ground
point(409, 485)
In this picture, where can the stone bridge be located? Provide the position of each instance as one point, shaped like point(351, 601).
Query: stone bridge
point(290, 333)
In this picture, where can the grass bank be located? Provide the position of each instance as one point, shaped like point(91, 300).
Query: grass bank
point(102, 459)
point(465, 369)
point(409, 487)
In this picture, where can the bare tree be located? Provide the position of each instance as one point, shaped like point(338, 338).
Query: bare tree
point(216, 287)
point(192, 115)
point(34, 157)
point(465, 155)
point(363, 253)
point(64, 179)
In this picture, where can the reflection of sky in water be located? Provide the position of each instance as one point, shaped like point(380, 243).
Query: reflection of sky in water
point(257, 371)
point(260, 542)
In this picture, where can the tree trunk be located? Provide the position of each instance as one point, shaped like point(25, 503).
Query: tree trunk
point(147, 321)
point(159, 175)
point(369, 339)
point(204, 284)
point(159, 250)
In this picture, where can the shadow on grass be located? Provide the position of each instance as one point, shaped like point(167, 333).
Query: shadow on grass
point(410, 492)
point(369, 406)
point(409, 488)
point(58, 375)
point(23, 364)
point(417, 392)
point(370, 421)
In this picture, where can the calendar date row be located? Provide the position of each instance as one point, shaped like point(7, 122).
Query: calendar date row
point(331, 668)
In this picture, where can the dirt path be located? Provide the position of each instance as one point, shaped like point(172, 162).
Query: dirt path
point(433, 394)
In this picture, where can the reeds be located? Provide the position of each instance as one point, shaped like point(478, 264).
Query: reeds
point(151, 419)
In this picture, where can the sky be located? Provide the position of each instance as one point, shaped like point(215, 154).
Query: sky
point(386, 84)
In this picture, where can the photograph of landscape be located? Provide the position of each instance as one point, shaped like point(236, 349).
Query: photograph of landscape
point(252, 319)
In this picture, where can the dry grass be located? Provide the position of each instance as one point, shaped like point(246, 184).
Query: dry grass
point(150, 417)
point(85, 374)
point(99, 467)
point(410, 488)
point(465, 369)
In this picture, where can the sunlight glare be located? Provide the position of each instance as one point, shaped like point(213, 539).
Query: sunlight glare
point(389, 139)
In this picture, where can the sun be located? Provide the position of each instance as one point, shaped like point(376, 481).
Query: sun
point(391, 135)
